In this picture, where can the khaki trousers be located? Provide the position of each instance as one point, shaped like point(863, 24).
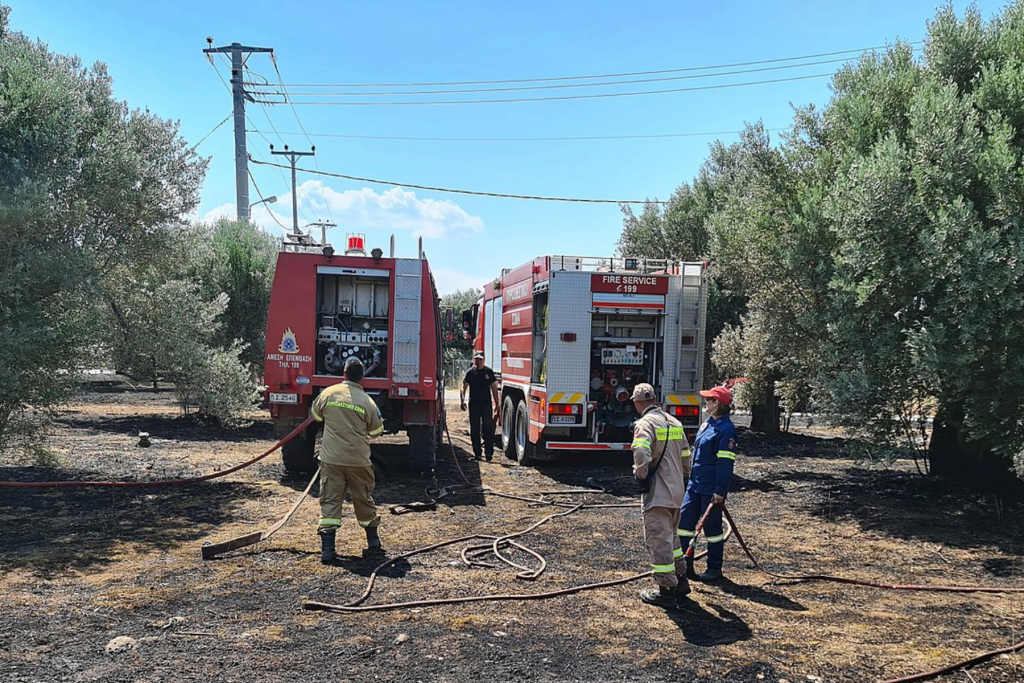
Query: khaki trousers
point(663, 545)
point(335, 481)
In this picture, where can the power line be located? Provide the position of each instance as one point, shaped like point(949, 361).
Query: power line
point(263, 199)
point(264, 90)
point(558, 98)
point(523, 139)
point(469, 192)
point(295, 113)
point(212, 131)
point(266, 115)
point(596, 76)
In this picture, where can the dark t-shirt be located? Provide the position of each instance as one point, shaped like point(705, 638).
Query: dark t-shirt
point(480, 382)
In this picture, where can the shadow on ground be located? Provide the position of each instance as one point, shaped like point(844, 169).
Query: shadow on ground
point(901, 505)
point(169, 427)
point(758, 595)
point(51, 530)
point(710, 625)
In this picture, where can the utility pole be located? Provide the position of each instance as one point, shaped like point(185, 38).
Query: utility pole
point(293, 157)
point(323, 225)
point(239, 96)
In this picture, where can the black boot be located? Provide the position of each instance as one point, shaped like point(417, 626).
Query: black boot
point(372, 538)
point(691, 573)
point(663, 597)
point(682, 588)
point(712, 574)
point(327, 553)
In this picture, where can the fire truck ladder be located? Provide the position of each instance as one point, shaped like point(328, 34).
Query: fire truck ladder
point(691, 327)
point(408, 310)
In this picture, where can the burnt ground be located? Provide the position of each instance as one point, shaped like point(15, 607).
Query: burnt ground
point(81, 567)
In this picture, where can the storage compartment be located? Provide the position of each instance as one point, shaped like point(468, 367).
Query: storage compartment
point(352, 320)
point(625, 350)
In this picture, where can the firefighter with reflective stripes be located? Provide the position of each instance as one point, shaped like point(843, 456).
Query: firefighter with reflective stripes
point(714, 456)
point(661, 464)
point(351, 419)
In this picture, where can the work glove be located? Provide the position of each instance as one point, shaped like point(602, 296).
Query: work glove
point(462, 405)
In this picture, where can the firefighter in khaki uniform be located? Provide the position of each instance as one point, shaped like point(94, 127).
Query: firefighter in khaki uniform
point(351, 419)
point(661, 464)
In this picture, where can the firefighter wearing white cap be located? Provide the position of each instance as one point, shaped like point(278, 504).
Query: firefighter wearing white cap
point(661, 465)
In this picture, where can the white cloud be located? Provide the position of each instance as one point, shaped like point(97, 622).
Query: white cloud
point(222, 211)
point(392, 211)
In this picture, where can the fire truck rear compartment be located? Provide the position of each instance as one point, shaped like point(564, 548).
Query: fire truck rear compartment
point(352, 320)
point(625, 350)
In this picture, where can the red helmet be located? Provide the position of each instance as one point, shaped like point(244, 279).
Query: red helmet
point(720, 394)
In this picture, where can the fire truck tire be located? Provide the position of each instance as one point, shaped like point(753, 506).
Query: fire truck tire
point(299, 454)
point(422, 449)
point(524, 449)
point(508, 427)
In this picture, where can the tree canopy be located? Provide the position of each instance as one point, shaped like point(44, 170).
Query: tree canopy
point(877, 245)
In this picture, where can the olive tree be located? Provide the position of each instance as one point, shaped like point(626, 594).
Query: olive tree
point(86, 185)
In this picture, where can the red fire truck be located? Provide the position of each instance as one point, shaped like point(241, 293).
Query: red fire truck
point(571, 336)
point(327, 308)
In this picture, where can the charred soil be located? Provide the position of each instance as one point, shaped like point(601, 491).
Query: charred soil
point(108, 585)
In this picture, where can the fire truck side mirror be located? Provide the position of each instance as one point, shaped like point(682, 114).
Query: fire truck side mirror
point(449, 320)
point(468, 322)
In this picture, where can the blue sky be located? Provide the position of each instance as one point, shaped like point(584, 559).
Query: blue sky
point(154, 53)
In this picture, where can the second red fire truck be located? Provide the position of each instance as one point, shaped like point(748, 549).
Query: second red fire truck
point(571, 336)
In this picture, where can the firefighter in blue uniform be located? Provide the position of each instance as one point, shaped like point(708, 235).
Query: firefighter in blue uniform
point(713, 459)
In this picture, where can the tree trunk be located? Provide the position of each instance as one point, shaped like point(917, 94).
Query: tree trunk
point(952, 455)
point(946, 448)
point(764, 417)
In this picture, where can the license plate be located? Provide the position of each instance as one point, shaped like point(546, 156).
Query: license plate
point(563, 419)
point(284, 398)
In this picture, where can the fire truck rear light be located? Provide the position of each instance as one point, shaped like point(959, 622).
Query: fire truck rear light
point(568, 336)
point(685, 411)
point(564, 409)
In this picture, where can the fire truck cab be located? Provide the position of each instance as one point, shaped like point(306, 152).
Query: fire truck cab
point(571, 336)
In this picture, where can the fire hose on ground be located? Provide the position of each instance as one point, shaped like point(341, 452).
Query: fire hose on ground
point(495, 544)
point(498, 542)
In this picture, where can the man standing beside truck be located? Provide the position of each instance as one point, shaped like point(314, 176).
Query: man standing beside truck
point(351, 419)
point(483, 386)
point(661, 464)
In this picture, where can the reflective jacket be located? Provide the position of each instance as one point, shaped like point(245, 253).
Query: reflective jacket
point(714, 456)
point(656, 429)
point(351, 419)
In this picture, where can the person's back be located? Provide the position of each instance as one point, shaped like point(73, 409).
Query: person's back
point(347, 412)
point(351, 419)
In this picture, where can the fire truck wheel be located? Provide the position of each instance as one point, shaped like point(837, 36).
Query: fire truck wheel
point(299, 454)
point(524, 448)
point(508, 427)
point(422, 449)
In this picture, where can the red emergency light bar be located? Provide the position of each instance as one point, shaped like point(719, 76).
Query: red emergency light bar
point(563, 408)
point(684, 411)
point(356, 243)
